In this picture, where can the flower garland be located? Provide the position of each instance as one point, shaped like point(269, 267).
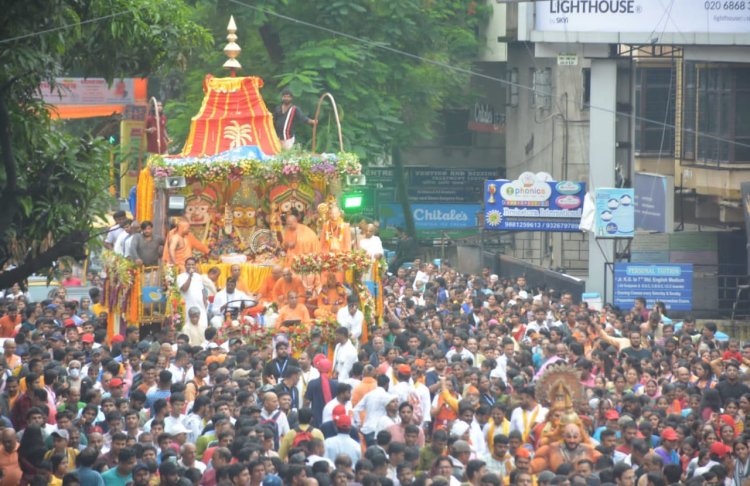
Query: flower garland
point(356, 260)
point(287, 164)
point(121, 274)
point(300, 336)
point(173, 295)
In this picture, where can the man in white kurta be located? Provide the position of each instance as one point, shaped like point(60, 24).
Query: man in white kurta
point(345, 354)
point(371, 243)
point(193, 296)
point(351, 317)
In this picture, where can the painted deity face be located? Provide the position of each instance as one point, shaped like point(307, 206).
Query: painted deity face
point(244, 216)
point(197, 211)
point(293, 203)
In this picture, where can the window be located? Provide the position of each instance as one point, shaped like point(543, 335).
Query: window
point(689, 113)
point(586, 91)
point(717, 105)
point(541, 84)
point(457, 132)
point(511, 94)
point(654, 100)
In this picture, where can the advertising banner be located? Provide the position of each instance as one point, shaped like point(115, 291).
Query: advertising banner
point(615, 213)
point(654, 202)
point(650, 17)
point(434, 216)
point(528, 204)
point(668, 283)
point(89, 91)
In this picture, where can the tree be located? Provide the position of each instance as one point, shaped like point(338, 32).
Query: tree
point(53, 185)
point(389, 100)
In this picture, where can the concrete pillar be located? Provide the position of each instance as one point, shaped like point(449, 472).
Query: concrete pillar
point(602, 142)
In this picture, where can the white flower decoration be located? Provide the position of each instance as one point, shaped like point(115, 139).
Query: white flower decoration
point(494, 218)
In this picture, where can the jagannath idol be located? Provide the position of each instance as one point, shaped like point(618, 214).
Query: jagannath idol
point(562, 438)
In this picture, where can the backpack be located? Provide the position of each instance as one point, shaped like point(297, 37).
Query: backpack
point(302, 436)
point(271, 424)
point(416, 404)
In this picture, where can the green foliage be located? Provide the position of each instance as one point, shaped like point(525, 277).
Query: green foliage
point(386, 99)
point(53, 183)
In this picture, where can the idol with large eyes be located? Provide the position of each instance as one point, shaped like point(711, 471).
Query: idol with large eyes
point(197, 211)
point(244, 216)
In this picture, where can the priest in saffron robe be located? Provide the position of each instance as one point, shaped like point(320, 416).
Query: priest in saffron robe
point(332, 296)
point(298, 239)
point(293, 310)
point(266, 289)
point(288, 283)
point(180, 245)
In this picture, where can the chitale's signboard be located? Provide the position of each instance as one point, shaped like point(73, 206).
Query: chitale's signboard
point(690, 20)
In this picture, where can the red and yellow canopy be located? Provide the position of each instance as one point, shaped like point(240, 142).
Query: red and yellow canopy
point(233, 114)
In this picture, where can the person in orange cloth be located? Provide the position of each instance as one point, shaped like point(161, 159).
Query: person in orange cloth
point(570, 450)
point(292, 311)
point(298, 239)
point(336, 235)
point(180, 245)
point(266, 289)
point(288, 283)
point(331, 297)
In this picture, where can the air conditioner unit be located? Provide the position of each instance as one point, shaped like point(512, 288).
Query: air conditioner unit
point(356, 180)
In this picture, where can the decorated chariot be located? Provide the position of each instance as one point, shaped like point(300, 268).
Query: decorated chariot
point(230, 190)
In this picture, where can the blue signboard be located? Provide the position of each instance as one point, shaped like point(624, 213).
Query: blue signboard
point(615, 213)
point(654, 202)
point(528, 204)
point(671, 283)
point(432, 216)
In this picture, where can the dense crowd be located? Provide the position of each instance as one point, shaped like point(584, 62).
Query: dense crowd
point(444, 392)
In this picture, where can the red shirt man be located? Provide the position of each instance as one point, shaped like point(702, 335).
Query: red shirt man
point(9, 322)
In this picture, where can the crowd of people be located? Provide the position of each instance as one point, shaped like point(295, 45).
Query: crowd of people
point(445, 391)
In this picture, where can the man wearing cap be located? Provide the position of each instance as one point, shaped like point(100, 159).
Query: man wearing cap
point(141, 475)
point(611, 416)
point(668, 448)
point(60, 440)
point(342, 443)
point(345, 354)
point(351, 317)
